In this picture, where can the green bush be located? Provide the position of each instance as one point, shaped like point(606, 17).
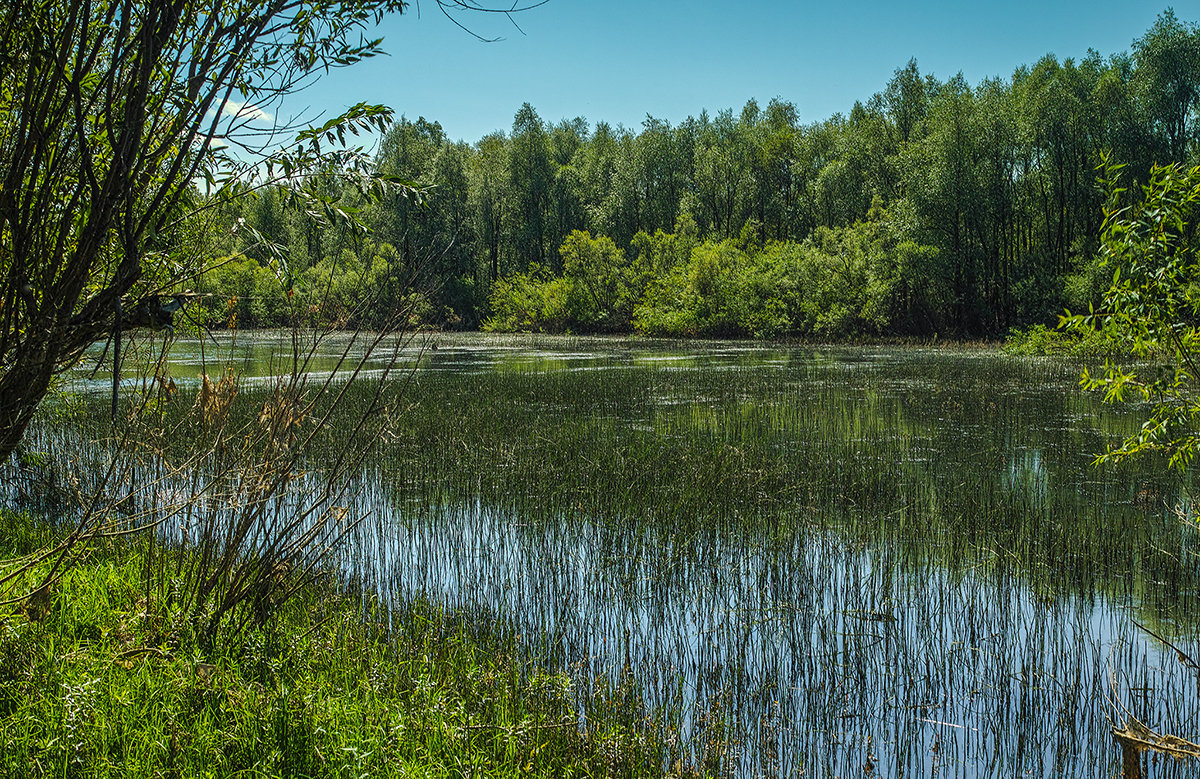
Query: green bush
point(243, 293)
point(1041, 341)
point(530, 302)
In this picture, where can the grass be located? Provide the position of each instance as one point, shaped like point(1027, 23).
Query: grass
point(102, 684)
point(979, 458)
point(776, 561)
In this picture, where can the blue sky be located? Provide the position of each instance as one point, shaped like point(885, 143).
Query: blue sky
point(619, 60)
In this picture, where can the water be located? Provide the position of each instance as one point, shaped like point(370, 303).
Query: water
point(804, 561)
point(815, 655)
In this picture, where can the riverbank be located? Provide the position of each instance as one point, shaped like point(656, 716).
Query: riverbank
point(97, 682)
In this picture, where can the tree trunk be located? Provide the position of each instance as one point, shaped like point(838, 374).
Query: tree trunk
point(22, 388)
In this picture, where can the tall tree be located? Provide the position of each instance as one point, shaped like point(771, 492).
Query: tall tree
point(774, 141)
point(594, 169)
point(723, 171)
point(941, 184)
point(625, 204)
point(109, 111)
point(1168, 71)
point(489, 201)
point(664, 162)
point(531, 173)
point(407, 151)
point(566, 139)
point(906, 99)
point(452, 271)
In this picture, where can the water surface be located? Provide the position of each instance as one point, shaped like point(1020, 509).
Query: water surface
point(805, 561)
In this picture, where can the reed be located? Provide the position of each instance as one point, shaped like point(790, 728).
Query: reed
point(93, 688)
point(788, 561)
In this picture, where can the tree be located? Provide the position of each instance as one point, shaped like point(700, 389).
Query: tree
point(110, 111)
point(488, 198)
point(907, 99)
point(452, 268)
point(664, 161)
point(566, 139)
point(943, 186)
point(1168, 69)
point(595, 167)
point(407, 151)
point(723, 172)
point(774, 141)
point(1153, 308)
point(531, 174)
point(600, 280)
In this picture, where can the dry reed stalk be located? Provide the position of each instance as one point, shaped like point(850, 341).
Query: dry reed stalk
point(1135, 738)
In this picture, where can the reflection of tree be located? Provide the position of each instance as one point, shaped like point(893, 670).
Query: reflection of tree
point(912, 450)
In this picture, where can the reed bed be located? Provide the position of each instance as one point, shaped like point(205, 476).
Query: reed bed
point(796, 561)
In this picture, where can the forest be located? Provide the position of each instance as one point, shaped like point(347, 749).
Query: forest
point(933, 207)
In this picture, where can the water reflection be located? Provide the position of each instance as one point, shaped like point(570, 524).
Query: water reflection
point(822, 656)
point(260, 354)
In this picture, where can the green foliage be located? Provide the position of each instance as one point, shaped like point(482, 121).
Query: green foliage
point(1043, 341)
point(1036, 340)
point(1153, 307)
point(596, 292)
point(693, 298)
point(934, 206)
point(1085, 287)
point(244, 293)
point(601, 283)
point(723, 290)
point(530, 302)
point(1168, 79)
point(842, 282)
point(103, 685)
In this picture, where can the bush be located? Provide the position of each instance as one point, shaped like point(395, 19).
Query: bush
point(529, 303)
point(1042, 341)
point(244, 293)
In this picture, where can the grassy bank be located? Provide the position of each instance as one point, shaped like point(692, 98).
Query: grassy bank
point(97, 682)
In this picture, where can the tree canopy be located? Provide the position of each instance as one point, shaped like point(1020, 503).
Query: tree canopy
point(934, 206)
point(120, 122)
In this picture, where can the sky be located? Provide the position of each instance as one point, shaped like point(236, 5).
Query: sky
point(620, 60)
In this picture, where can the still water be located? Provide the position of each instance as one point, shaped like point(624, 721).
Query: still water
point(804, 561)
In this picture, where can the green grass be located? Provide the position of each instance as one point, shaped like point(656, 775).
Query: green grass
point(980, 458)
point(945, 492)
point(104, 684)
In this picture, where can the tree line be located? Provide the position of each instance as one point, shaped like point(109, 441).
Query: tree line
point(934, 206)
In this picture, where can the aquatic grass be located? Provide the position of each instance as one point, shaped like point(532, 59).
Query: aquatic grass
point(842, 647)
point(93, 689)
point(914, 463)
point(799, 560)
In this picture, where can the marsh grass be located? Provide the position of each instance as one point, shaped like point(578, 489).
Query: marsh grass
point(893, 562)
point(815, 562)
point(96, 687)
